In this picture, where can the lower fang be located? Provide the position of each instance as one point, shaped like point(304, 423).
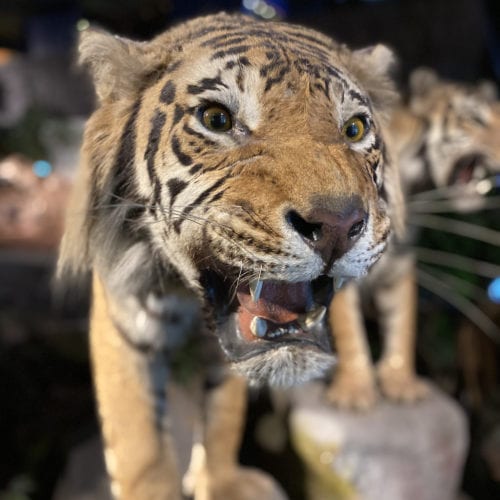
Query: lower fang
point(312, 318)
point(258, 326)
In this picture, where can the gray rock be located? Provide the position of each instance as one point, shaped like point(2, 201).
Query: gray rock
point(393, 452)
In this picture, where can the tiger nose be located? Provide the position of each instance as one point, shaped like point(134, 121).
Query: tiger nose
point(331, 233)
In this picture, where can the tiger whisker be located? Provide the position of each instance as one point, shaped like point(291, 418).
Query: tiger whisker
point(179, 210)
point(237, 282)
point(445, 191)
point(464, 305)
point(464, 286)
point(180, 213)
point(243, 276)
point(226, 237)
point(449, 259)
point(422, 206)
point(449, 225)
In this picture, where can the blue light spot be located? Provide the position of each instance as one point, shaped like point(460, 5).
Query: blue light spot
point(494, 290)
point(42, 168)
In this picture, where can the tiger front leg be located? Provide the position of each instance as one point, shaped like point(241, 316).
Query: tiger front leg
point(353, 384)
point(130, 391)
point(224, 478)
point(397, 307)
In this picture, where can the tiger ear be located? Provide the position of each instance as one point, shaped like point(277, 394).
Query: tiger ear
point(379, 58)
point(374, 66)
point(119, 67)
point(422, 81)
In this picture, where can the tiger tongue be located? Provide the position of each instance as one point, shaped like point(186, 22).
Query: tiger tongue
point(279, 302)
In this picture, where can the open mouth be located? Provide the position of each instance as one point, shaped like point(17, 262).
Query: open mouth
point(264, 314)
point(467, 168)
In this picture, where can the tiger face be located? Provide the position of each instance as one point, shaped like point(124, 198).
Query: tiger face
point(459, 142)
point(247, 159)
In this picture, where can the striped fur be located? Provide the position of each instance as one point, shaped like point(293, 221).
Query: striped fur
point(160, 198)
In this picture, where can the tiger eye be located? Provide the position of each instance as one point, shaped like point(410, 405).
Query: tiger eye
point(216, 118)
point(355, 128)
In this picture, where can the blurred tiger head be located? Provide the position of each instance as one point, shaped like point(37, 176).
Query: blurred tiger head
point(457, 144)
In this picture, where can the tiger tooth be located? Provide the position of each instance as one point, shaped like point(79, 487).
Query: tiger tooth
point(255, 289)
point(258, 326)
point(311, 319)
point(338, 282)
point(316, 316)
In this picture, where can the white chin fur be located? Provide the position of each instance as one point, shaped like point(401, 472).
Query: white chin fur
point(285, 366)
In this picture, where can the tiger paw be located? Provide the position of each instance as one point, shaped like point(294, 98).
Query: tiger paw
point(400, 384)
point(352, 390)
point(245, 483)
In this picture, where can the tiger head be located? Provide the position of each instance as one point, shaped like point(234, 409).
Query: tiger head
point(248, 157)
point(459, 139)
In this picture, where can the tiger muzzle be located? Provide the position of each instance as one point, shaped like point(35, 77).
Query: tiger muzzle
point(330, 232)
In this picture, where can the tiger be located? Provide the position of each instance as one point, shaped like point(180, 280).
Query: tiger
point(234, 169)
point(445, 141)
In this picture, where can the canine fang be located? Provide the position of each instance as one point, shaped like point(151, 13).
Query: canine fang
point(258, 326)
point(312, 318)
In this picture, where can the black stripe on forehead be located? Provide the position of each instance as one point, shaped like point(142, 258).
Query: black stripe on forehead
point(227, 41)
point(356, 96)
point(215, 40)
point(325, 71)
point(301, 34)
point(236, 50)
point(226, 28)
point(302, 44)
point(293, 44)
point(167, 94)
point(278, 78)
point(240, 61)
point(206, 84)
